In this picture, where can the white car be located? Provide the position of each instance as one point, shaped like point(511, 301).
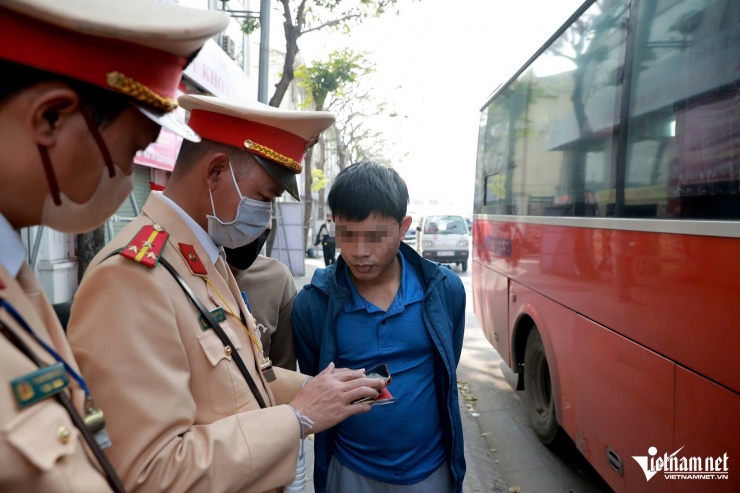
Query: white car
point(444, 239)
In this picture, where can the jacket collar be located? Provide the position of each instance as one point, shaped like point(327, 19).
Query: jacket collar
point(428, 272)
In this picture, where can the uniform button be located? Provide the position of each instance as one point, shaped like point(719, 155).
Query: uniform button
point(227, 350)
point(63, 435)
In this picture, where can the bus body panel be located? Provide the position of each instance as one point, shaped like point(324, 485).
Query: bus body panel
point(602, 300)
point(659, 290)
point(707, 419)
point(491, 306)
point(613, 375)
point(597, 375)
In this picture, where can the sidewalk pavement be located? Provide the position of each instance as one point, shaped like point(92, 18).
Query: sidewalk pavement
point(482, 475)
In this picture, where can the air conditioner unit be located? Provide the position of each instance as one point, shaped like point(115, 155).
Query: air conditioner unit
point(227, 44)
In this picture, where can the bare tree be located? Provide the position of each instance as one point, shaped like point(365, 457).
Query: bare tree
point(358, 136)
point(304, 16)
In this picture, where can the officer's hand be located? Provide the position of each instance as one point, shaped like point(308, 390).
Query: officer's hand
point(327, 398)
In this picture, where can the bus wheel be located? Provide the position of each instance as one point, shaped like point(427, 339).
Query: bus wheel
point(540, 404)
point(464, 265)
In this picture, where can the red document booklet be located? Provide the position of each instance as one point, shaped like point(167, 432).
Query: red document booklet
point(384, 397)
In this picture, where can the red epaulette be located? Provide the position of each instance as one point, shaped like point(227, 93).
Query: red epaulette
point(147, 246)
point(194, 263)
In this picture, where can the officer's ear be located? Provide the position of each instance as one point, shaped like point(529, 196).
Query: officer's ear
point(216, 169)
point(50, 108)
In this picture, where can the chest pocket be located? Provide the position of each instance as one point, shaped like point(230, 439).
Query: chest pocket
point(227, 389)
point(43, 434)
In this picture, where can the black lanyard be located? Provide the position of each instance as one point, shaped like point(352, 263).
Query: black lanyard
point(217, 328)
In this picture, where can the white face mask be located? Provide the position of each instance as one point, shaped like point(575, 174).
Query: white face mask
point(63, 214)
point(71, 217)
point(252, 218)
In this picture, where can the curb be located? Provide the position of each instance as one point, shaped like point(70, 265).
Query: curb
point(482, 472)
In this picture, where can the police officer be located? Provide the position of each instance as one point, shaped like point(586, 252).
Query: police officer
point(167, 340)
point(270, 289)
point(84, 84)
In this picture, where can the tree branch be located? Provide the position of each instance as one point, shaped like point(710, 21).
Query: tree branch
point(332, 23)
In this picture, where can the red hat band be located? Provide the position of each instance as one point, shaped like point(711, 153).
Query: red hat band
point(270, 142)
point(146, 74)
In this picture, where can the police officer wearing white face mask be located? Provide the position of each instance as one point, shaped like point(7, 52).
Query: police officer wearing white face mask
point(252, 218)
point(203, 408)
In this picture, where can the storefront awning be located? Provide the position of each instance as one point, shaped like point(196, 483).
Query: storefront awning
point(161, 154)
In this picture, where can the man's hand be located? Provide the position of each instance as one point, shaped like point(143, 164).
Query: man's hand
point(327, 398)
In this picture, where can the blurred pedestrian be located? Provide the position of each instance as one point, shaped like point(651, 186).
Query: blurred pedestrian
point(382, 303)
point(203, 409)
point(327, 237)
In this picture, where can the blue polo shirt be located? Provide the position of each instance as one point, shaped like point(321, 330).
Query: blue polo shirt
point(398, 443)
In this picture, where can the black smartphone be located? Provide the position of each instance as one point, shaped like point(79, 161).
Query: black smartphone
point(380, 371)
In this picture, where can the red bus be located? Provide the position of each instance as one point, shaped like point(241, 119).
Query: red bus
point(606, 239)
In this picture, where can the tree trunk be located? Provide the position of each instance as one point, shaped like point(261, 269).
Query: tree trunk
point(307, 199)
point(322, 193)
point(292, 33)
point(88, 245)
point(341, 156)
point(291, 50)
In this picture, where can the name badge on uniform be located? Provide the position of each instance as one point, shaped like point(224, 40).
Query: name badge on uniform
point(218, 314)
point(39, 384)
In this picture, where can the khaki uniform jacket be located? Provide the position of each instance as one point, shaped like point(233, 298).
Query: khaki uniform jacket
point(180, 414)
point(41, 450)
point(270, 288)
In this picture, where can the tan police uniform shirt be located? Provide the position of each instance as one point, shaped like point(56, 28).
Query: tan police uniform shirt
point(270, 289)
point(180, 414)
point(40, 448)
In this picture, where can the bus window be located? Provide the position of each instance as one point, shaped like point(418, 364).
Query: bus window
point(503, 142)
point(683, 156)
point(572, 116)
